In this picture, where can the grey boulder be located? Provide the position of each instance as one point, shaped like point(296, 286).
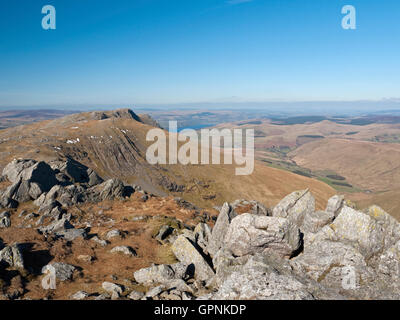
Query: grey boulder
point(252, 234)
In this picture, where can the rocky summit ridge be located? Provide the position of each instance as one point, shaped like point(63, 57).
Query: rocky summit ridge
point(247, 251)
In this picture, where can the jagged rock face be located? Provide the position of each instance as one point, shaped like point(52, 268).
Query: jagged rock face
point(29, 180)
point(220, 229)
point(64, 183)
point(32, 172)
point(290, 252)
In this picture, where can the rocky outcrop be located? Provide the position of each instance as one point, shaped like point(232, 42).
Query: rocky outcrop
point(346, 254)
point(29, 179)
point(290, 251)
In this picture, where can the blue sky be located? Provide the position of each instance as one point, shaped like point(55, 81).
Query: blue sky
point(196, 51)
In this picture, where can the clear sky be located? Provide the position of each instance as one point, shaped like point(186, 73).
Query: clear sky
point(176, 51)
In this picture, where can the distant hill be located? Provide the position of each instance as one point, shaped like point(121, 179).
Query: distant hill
point(12, 118)
point(356, 156)
point(114, 144)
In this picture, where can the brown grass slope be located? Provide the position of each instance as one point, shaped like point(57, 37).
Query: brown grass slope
point(369, 165)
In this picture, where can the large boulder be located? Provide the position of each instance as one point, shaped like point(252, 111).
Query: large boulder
point(252, 234)
point(15, 168)
point(189, 253)
point(63, 271)
point(295, 207)
point(112, 189)
point(65, 195)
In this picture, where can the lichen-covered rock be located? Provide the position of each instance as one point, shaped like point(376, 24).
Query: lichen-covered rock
point(389, 224)
point(295, 207)
point(256, 280)
point(324, 261)
point(315, 221)
point(186, 252)
point(363, 231)
point(334, 205)
point(251, 234)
